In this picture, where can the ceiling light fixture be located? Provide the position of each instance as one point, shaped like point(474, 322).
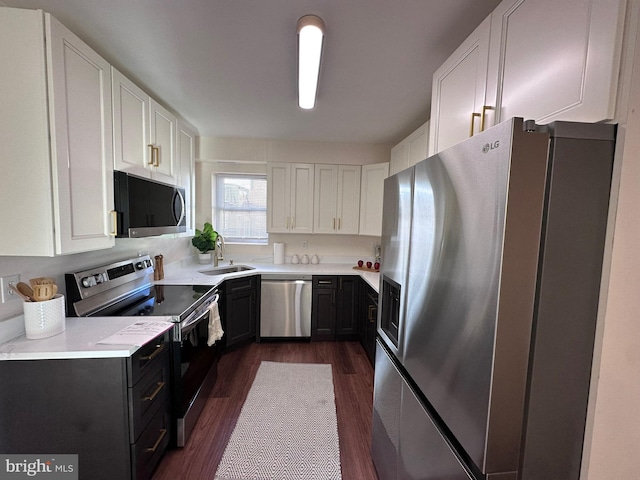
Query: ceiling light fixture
point(310, 39)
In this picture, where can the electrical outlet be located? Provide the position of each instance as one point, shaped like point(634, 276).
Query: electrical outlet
point(8, 295)
point(305, 244)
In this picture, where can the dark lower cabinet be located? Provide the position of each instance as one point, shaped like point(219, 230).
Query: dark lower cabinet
point(347, 307)
point(114, 413)
point(241, 309)
point(367, 320)
point(334, 311)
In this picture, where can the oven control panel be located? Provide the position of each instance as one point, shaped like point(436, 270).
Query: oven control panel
point(131, 273)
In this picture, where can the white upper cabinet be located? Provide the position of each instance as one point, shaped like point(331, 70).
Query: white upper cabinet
point(187, 159)
point(538, 59)
point(144, 133)
point(371, 195)
point(57, 139)
point(130, 126)
point(162, 144)
point(458, 91)
point(337, 199)
point(290, 197)
point(556, 60)
point(411, 150)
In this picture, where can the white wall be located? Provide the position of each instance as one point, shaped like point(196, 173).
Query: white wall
point(247, 155)
point(172, 247)
point(613, 429)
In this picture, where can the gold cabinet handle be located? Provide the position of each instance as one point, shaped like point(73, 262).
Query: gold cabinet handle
point(114, 222)
point(150, 162)
point(163, 432)
point(473, 118)
point(293, 223)
point(370, 314)
point(339, 224)
point(156, 162)
point(159, 349)
point(483, 116)
point(334, 223)
point(149, 398)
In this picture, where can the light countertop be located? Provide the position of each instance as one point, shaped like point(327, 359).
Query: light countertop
point(82, 335)
point(188, 273)
point(80, 339)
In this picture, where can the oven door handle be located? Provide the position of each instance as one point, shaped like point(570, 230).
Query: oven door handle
point(192, 321)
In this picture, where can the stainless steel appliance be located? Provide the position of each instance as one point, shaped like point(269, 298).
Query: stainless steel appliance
point(497, 305)
point(125, 289)
point(145, 207)
point(285, 306)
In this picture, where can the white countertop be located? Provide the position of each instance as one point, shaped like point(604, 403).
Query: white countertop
point(81, 336)
point(79, 340)
point(188, 273)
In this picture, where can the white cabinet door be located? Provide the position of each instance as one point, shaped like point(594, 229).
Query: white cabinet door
point(371, 194)
point(458, 91)
point(417, 144)
point(162, 136)
point(325, 199)
point(557, 60)
point(186, 159)
point(301, 205)
point(278, 197)
point(348, 202)
point(337, 199)
point(82, 141)
point(399, 158)
point(130, 126)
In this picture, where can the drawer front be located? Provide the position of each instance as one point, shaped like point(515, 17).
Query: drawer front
point(325, 281)
point(149, 395)
point(148, 450)
point(240, 284)
point(147, 358)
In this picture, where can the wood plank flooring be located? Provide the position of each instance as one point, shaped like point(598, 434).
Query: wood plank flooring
point(353, 385)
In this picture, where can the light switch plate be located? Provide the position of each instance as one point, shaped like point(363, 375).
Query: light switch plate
point(8, 295)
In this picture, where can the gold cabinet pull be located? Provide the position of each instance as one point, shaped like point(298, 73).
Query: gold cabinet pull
point(473, 118)
point(483, 116)
point(293, 223)
point(334, 223)
point(370, 315)
point(114, 223)
point(159, 349)
point(150, 162)
point(163, 432)
point(157, 157)
point(339, 223)
point(149, 398)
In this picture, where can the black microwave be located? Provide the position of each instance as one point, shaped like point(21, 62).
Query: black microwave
point(146, 208)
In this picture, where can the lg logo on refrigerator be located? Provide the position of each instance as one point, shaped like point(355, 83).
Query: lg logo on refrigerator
point(490, 146)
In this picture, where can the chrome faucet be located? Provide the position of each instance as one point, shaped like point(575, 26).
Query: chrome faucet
point(219, 251)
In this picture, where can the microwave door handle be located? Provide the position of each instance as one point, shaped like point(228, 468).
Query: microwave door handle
point(183, 209)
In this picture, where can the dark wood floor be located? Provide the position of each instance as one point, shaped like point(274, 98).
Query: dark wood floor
point(353, 385)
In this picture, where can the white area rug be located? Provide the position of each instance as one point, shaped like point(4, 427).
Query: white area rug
point(287, 429)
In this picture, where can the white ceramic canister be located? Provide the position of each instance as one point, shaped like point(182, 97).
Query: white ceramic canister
point(44, 319)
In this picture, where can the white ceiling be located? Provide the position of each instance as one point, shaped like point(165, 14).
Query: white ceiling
point(229, 66)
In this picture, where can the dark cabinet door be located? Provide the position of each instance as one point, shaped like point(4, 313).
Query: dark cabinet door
point(367, 320)
point(347, 307)
point(323, 314)
point(240, 310)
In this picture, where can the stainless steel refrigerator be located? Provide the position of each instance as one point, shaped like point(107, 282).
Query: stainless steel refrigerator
point(492, 260)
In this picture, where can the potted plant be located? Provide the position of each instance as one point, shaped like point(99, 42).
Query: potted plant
point(205, 242)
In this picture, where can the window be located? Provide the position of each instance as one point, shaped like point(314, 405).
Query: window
point(241, 208)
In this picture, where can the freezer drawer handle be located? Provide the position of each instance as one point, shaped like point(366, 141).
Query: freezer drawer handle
point(155, 393)
point(163, 432)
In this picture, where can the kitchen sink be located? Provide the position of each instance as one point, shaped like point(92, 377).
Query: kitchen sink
point(227, 269)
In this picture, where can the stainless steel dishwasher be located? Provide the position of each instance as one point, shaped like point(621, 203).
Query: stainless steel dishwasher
point(285, 306)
